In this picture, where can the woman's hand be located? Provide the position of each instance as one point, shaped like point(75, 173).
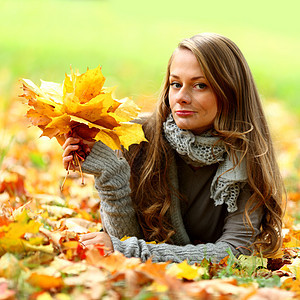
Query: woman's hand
point(101, 238)
point(75, 144)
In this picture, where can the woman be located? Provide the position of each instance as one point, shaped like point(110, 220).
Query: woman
point(207, 181)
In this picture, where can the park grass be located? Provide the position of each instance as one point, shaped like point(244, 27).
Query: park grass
point(133, 40)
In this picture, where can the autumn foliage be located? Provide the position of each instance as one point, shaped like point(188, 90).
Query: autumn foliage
point(84, 107)
point(40, 225)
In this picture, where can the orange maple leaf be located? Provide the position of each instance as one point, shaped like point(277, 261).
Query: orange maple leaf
point(45, 282)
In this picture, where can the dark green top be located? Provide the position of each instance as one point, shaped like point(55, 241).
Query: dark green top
point(202, 219)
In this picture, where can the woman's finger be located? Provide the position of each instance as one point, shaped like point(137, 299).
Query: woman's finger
point(88, 236)
point(70, 141)
point(92, 242)
point(99, 238)
point(69, 149)
point(67, 160)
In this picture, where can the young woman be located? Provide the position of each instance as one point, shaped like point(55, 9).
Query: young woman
point(207, 180)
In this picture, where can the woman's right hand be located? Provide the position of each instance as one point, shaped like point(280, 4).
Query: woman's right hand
point(73, 144)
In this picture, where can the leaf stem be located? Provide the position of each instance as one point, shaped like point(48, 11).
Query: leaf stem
point(78, 162)
point(68, 172)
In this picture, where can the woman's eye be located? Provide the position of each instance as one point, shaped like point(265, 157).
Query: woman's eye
point(201, 86)
point(176, 85)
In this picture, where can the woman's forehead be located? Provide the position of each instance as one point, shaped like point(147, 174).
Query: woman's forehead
point(184, 61)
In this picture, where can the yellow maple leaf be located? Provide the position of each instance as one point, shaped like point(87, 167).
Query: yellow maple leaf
point(183, 270)
point(61, 122)
point(12, 234)
point(109, 138)
point(129, 134)
point(126, 111)
point(23, 224)
point(92, 110)
point(84, 86)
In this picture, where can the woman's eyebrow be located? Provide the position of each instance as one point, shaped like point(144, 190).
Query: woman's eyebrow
point(193, 78)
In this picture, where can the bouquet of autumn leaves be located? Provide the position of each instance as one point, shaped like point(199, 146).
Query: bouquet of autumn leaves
point(82, 107)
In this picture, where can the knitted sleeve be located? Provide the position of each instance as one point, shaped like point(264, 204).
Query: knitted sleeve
point(236, 237)
point(134, 247)
point(112, 176)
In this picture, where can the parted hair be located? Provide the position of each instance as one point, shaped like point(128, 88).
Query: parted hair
point(240, 123)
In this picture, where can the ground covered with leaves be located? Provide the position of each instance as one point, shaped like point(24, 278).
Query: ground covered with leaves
point(41, 256)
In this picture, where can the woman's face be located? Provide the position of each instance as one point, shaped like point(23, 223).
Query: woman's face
point(192, 101)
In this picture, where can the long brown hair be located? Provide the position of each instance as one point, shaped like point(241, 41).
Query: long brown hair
point(240, 124)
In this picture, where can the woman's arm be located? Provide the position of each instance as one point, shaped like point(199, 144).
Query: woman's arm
point(235, 236)
point(134, 247)
point(112, 175)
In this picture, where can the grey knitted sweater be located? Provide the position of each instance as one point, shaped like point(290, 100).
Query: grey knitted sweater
point(112, 176)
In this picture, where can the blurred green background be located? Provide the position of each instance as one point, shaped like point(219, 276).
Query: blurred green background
point(133, 39)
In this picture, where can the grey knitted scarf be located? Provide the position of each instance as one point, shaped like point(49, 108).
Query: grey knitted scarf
point(205, 150)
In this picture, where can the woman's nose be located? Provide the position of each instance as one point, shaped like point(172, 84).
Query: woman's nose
point(183, 96)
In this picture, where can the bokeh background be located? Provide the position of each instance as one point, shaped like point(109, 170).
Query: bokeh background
point(132, 40)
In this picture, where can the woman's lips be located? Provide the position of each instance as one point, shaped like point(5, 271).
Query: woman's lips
point(184, 113)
